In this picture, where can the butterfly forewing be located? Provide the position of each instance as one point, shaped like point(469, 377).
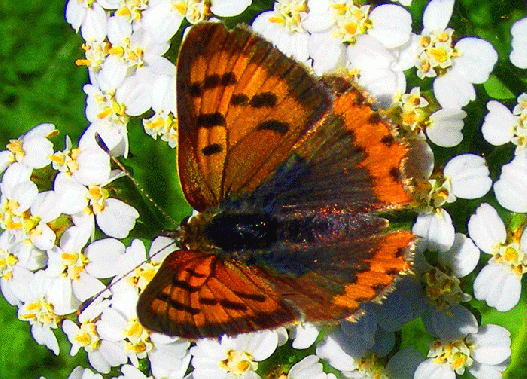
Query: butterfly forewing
point(242, 105)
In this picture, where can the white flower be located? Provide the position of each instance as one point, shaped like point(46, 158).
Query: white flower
point(511, 187)
point(15, 261)
point(502, 126)
point(499, 282)
point(470, 61)
point(38, 311)
point(518, 54)
point(68, 265)
point(18, 193)
point(103, 352)
point(232, 357)
point(33, 149)
point(484, 354)
point(469, 175)
point(283, 27)
point(84, 13)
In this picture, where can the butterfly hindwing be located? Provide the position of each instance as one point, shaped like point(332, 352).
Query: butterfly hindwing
point(197, 295)
point(242, 106)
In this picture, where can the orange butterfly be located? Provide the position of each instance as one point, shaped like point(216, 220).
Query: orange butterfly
point(288, 174)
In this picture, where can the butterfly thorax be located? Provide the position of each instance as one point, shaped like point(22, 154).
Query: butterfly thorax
point(214, 231)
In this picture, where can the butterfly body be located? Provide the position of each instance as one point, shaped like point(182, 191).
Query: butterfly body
point(289, 174)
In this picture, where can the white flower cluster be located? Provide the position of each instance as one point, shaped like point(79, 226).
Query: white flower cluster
point(56, 205)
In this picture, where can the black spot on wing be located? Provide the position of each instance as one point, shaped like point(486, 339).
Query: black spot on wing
point(395, 173)
point(250, 296)
point(179, 306)
point(212, 149)
point(195, 90)
point(184, 285)
point(233, 305)
point(209, 120)
point(388, 140)
point(264, 99)
point(228, 78)
point(273, 125)
point(211, 81)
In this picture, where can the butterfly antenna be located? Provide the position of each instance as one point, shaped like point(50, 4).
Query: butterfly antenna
point(103, 146)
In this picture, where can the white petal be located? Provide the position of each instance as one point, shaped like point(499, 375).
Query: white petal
point(111, 75)
point(498, 124)
point(469, 175)
point(453, 91)
point(162, 21)
point(304, 335)
point(511, 187)
point(71, 194)
point(392, 25)
point(46, 206)
point(437, 15)
point(420, 163)
point(518, 54)
point(94, 167)
point(117, 218)
point(44, 336)
point(404, 363)
point(436, 229)
point(454, 322)
point(100, 253)
point(330, 350)
point(319, 18)
point(431, 370)
point(462, 257)
point(135, 93)
point(498, 286)
point(262, 344)
point(229, 8)
point(445, 128)
point(94, 24)
point(87, 286)
point(477, 59)
point(327, 52)
point(492, 344)
point(401, 306)
point(37, 152)
point(486, 228)
point(482, 371)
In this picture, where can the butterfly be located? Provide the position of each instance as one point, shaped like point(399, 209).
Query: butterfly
point(288, 174)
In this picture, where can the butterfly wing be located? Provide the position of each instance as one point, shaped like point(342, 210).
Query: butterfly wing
point(242, 106)
point(196, 295)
